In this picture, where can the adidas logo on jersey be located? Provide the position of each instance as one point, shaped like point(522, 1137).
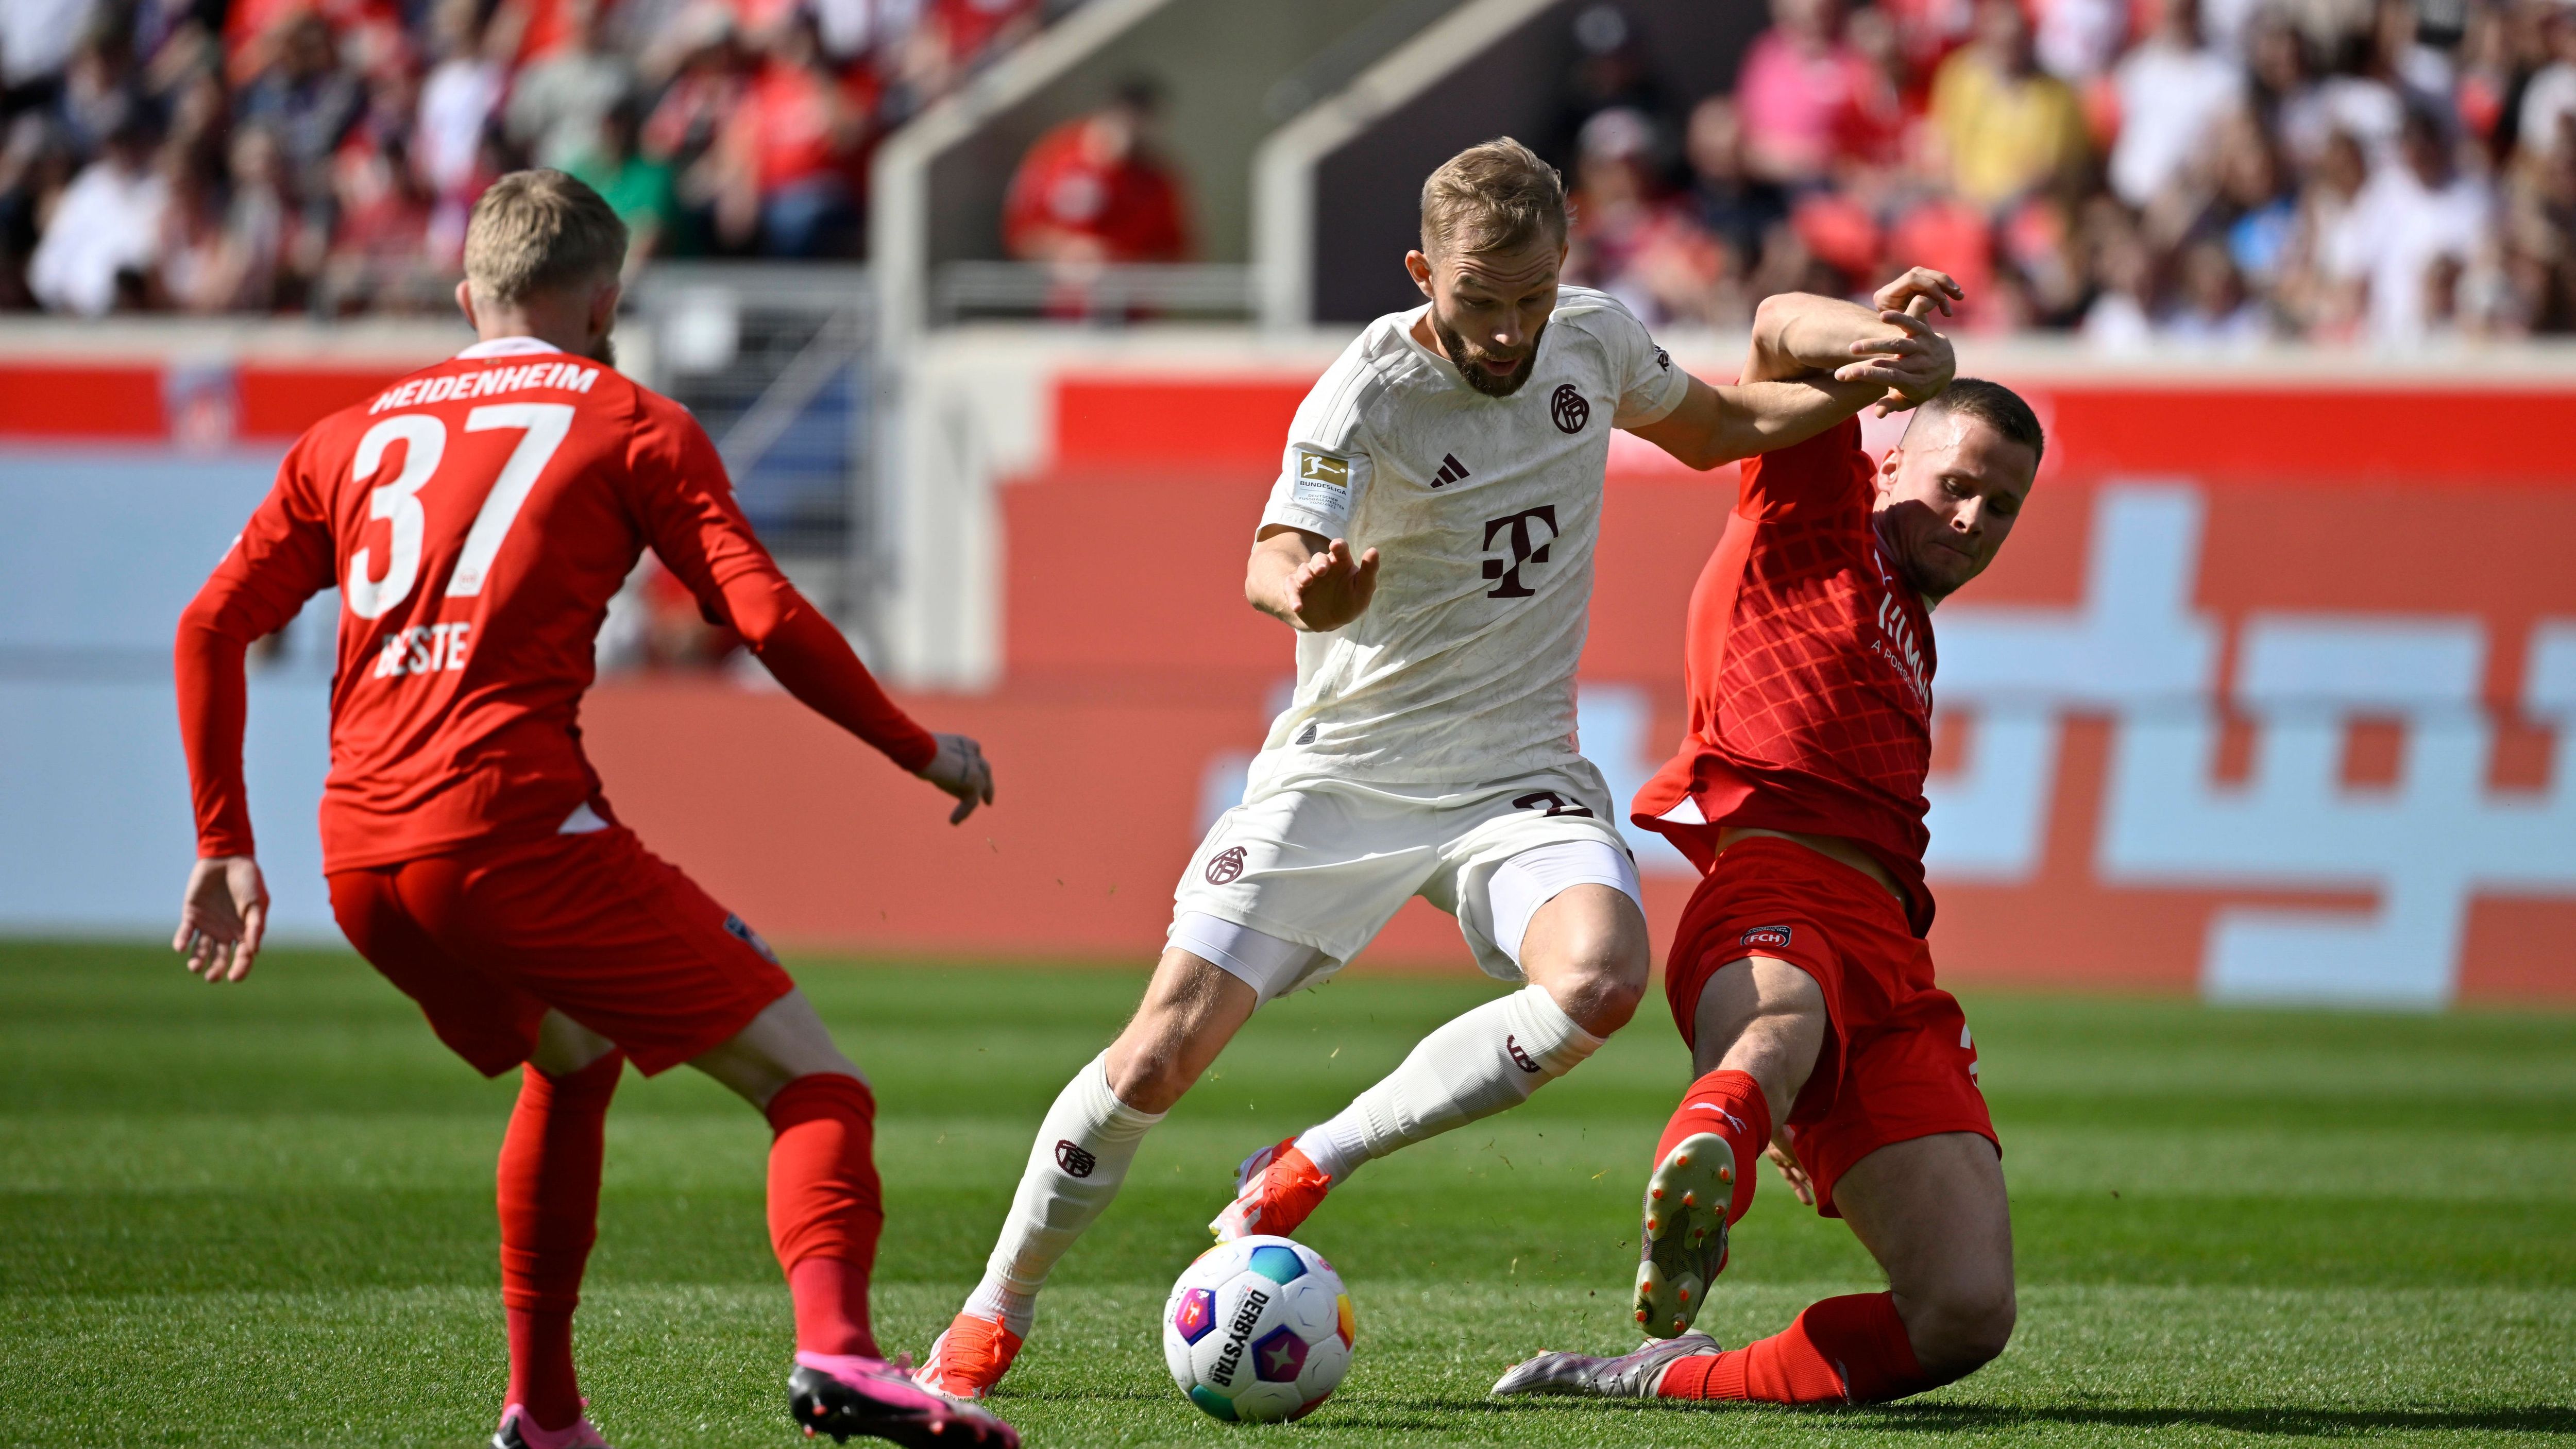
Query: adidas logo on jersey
point(1451, 471)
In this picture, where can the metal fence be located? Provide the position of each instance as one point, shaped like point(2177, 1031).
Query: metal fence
point(778, 363)
point(1110, 295)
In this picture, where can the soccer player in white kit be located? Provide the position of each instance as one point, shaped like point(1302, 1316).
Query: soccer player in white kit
point(1430, 538)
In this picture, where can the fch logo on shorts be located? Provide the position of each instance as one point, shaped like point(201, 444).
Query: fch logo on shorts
point(1072, 1157)
point(1764, 936)
point(741, 930)
point(1227, 865)
point(1520, 1058)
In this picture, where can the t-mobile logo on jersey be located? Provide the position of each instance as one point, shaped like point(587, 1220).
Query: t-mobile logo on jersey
point(1527, 547)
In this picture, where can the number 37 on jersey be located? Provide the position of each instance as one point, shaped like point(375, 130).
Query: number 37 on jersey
point(403, 503)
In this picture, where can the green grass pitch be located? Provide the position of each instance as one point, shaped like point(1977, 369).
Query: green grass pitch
point(262, 1217)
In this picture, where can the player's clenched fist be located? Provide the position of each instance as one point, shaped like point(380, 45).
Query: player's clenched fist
point(1913, 362)
point(959, 769)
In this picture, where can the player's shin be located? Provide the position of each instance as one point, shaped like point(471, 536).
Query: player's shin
point(548, 1195)
point(1080, 1157)
point(826, 1209)
point(1484, 1062)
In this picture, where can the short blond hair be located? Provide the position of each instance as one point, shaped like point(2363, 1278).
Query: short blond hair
point(1494, 196)
point(537, 231)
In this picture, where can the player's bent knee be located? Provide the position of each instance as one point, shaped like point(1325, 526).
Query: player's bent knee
point(1959, 1332)
point(1149, 1080)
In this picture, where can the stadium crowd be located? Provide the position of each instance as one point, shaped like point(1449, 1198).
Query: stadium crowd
point(321, 155)
point(2203, 172)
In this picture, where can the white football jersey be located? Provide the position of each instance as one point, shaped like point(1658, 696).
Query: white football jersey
point(1483, 511)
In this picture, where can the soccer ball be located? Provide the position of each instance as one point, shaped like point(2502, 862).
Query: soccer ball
point(1258, 1330)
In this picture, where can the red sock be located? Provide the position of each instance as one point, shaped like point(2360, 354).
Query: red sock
point(1850, 1350)
point(549, 1200)
point(825, 1210)
point(1730, 1104)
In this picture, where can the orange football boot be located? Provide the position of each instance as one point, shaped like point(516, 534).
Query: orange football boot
point(967, 1360)
point(1275, 1189)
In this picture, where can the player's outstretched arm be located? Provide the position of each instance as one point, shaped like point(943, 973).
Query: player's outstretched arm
point(1798, 336)
point(1309, 582)
point(1815, 362)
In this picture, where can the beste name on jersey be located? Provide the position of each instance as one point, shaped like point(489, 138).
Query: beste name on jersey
point(1485, 512)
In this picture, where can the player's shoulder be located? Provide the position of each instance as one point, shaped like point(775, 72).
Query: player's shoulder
point(1598, 315)
point(1357, 388)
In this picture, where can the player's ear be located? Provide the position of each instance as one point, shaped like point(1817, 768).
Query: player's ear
point(1419, 266)
point(465, 303)
point(603, 309)
point(1888, 467)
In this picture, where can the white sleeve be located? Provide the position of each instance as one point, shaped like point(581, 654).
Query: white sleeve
point(1326, 465)
point(1650, 387)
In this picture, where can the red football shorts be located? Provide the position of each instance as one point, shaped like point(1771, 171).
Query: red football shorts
point(593, 925)
point(1897, 1062)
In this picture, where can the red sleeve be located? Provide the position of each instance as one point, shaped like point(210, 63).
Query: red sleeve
point(282, 558)
point(688, 510)
point(1828, 471)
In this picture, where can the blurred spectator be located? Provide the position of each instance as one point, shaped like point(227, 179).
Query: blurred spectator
point(1096, 189)
point(2076, 40)
point(308, 101)
point(379, 257)
point(2011, 128)
point(2122, 316)
point(36, 42)
point(101, 240)
point(1802, 94)
point(2418, 213)
point(1740, 210)
point(636, 186)
point(787, 156)
point(1609, 73)
point(2212, 308)
point(458, 99)
point(2171, 89)
point(556, 103)
point(325, 153)
point(2550, 97)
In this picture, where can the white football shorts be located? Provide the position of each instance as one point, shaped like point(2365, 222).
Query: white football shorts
point(1287, 888)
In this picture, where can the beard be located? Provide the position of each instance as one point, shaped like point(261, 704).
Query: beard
point(604, 351)
point(1470, 366)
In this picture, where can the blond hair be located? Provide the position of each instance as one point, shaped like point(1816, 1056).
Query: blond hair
point(536, 231)
point(1495, 196)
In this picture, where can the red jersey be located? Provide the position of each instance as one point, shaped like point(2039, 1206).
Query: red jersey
point(478, 516)
point(1809, 665)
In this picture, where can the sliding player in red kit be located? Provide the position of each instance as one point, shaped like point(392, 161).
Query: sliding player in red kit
point(1798, 974)
point(477, 517)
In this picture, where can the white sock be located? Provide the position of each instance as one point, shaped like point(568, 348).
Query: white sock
point(1490, 1059)
point(1080, 1157)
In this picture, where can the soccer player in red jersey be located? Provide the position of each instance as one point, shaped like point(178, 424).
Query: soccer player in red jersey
point(1799, 975)
point(477, 517)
